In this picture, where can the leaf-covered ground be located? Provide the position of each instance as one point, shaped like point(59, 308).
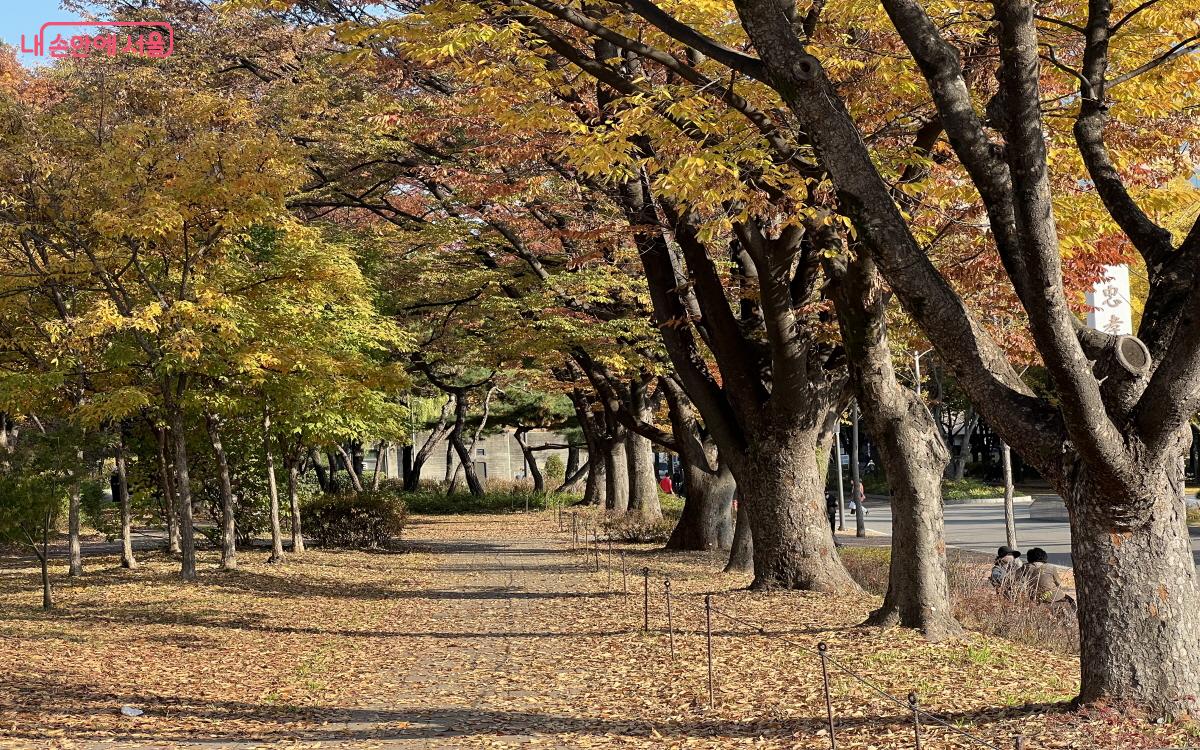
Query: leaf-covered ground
point(489, 632)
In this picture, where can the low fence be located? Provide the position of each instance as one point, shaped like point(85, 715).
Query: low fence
point(585, 539)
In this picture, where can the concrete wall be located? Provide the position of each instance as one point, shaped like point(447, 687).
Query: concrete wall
point(497, 456)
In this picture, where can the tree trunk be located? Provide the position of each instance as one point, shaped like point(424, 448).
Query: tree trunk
point(856, 486)
point(1010, 521)
point(167, 482)
point(595, 489)
point(912, 451)
point(381, 449)
point(44, 558)
point(322, 476)
point(75, 551)
point(785, 503)
point(228, 526)
point(572, 467)
point(355, 479)
point(1139, 628)
point(741, 551)
point(466, 464)
point(707, 519)
point(616, 473)
point(413, 480)
point(958, 466)
point(127, 559)
point(293, 467)
point(531, 467)
point(570, 483)
point(183, 487)
point(639, 455)
point(272, 489)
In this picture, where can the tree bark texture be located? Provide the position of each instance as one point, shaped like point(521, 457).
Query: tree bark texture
point(228, 524)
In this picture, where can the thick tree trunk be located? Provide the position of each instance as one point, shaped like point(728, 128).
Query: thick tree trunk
point(167, 484)
point(643, 484)
point(293, 469)
point(707, 519)
point(75, 552)
point(741, 551)
point(595, 491)
point(785, 503)
point(616, 474)
point(183, 487)
point(1010, 521)
point(228, 527)
point(127, 559)
point(272, 489)
point(639, 455)
point(1139, 625)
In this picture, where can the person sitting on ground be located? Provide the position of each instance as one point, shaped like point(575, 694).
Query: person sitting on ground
point(1008, 561)
point(1040, 582)
point(666, 484)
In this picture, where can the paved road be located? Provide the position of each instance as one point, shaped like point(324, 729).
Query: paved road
point(981, 528)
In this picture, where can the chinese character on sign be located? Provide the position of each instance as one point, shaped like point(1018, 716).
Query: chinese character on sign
point(1109, 300)
point(139, 38)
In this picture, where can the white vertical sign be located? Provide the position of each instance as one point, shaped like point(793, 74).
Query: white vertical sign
point(1109, 300)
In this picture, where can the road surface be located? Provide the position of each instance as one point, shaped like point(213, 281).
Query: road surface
point(980, 528)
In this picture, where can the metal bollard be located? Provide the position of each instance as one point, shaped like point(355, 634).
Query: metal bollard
point(821, 650)
point(708, 638)
point(645, 600)
point(912, 703)
point(670, 621)
point(596, 549)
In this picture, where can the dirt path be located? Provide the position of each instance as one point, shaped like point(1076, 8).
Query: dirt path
point(470, 675)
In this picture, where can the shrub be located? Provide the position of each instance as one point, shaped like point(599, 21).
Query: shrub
point(367, 520)
point(555, 469)
point(632, 527)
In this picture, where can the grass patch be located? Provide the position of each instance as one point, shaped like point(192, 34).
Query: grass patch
point(976, 605)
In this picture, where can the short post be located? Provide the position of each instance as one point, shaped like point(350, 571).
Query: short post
point(822, 648)
point(670, 621)
point(1019, 742)
point(624, 579)
point(916, 712)
point(608, 563)
point(597, 550)
point(708, 639)
point(645, 600)
point(574, 530)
